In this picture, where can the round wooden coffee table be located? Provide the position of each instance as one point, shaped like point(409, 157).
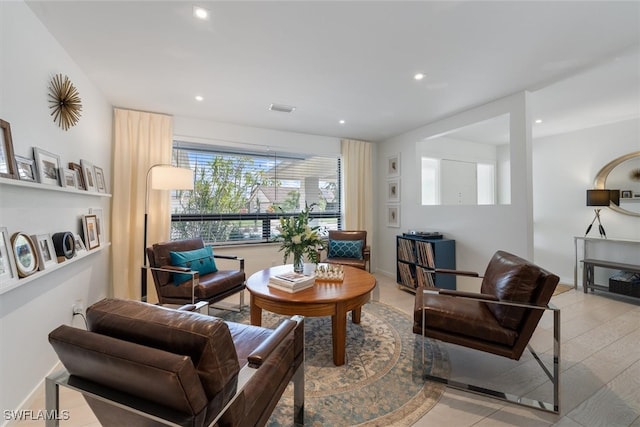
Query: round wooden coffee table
point(323, 299)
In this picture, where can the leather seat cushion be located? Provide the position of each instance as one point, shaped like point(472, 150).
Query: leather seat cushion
point(208, 286)
point(358, 263)
point(463, 317)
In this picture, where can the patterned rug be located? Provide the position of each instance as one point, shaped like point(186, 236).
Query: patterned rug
point(382, 382)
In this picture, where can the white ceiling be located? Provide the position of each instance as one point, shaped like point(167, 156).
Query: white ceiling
point(355, 60)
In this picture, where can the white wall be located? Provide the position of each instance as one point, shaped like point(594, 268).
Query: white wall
point(564, 167)
point(29, 58)
point(478, 230)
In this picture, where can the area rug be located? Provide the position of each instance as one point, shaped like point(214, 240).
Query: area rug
point(561, 288)
point(382, 382)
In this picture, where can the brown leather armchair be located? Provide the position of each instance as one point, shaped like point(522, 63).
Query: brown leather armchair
point(211, 288)
point(142, 364)
point(360, 260)
point(500, 319)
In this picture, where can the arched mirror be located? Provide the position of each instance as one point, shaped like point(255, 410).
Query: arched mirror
point(623, 173)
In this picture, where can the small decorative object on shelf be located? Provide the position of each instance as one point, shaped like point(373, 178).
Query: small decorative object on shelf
point(64, 101)
point(299, 239)
point(329, 273)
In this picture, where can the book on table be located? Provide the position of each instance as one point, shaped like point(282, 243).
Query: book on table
point(291, 281)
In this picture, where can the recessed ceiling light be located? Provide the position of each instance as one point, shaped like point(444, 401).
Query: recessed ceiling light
point(419, 76)
point(200, 12)
point(341, 122)
point(199, 98)
point(539, 121)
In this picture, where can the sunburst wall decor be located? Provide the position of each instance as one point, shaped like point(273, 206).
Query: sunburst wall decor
point(65, 101)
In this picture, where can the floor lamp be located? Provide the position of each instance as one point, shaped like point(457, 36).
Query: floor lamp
point(161, 177)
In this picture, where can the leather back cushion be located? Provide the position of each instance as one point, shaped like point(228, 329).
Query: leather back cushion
point(155, 375)
point(206, 340)
point(512, 278)
point(160, 255)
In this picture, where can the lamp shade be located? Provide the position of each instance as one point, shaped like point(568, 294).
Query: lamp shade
point(598, 197)
point(167, 177)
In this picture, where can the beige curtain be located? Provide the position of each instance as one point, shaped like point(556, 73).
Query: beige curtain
point(357, 164)
point(141, 140)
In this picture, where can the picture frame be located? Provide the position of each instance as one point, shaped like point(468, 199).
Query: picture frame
point(102, 225)
point(45, 250)
point(8, 271)
point(68, 178)
point(393, 191)
point(77, 167)
point(48, 167)
point(626, 194)
point(8, 167)
point(81, 249)
point(25, 253)
point(26, 169)
point(90, 228)
point(89, 175)
point(393, 216)
point(393, 165)
point(101, 183)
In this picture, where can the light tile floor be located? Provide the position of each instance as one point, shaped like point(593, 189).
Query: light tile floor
point(600, 380)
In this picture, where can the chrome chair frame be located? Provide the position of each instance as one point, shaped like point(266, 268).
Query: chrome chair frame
point(511, 398)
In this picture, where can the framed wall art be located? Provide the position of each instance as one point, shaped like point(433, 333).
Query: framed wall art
point(101, 184)
point(8, 168)
point(77, 167)
point(89, 175)
point(48, 166)
point(26, 169)
point(393, 190)
point(24, 251)
point(81, 249)
point(8, 273)
point(393, 165)
point(90, 228)
point(102, 230)
point(68, 178)
point(45, 250)
point(393, 216)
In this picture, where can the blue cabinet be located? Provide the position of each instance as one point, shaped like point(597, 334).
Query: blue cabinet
point(416, 256)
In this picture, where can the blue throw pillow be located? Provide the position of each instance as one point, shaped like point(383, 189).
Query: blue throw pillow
point(345, 249)
point(200, 260)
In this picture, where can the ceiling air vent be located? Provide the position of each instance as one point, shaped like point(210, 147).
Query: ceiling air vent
point(282, 108)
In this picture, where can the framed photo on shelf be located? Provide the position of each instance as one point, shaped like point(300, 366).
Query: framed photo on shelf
point(626, 194)
point(89, 175)
point(102, 230)
point(45, 250)
point(77, 167)
point(101, 184)
point(8, 273)
point(90, 228)
point(393, 216)
point(393, 190)
point(26, 169)
point(81, 249)
point(393, 165)
point(8, 168)
point(48, 166)
point(25, 253)
point(68, 178)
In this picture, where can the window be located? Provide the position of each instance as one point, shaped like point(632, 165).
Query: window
point(239, 196)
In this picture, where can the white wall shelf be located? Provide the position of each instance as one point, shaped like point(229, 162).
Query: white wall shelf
point(24, 280)
point(38, 186)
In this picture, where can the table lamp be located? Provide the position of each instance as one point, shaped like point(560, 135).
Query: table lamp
point(601, 198)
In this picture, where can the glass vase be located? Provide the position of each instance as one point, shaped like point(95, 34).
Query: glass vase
point(298, 263)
